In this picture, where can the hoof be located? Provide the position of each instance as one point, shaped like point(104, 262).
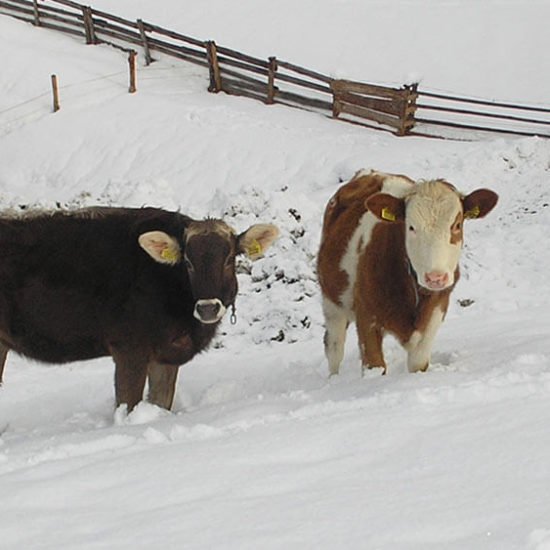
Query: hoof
point(373, 368)
point(422, 368)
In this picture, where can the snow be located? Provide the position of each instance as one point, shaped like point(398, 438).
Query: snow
point(262, 450)
point(451, 45)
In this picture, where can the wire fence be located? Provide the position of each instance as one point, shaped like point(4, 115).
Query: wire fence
point(406, 110)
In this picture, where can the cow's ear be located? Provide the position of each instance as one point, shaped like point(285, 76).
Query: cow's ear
point(161, 247)
point(256, 240)
point(479, 203)
point(386, 207)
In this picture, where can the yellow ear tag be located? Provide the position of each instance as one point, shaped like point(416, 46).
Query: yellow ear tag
point(472, 213)
point(387, 214)
point(169, 255)
point(254, 249)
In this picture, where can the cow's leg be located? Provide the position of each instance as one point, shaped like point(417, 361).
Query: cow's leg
point(162, 384)
point(3, 354)
point(130, 376)
point(419, 346)
point(370, 336)
point(336, 324)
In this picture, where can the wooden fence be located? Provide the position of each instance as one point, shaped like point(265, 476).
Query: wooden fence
point(404, 111)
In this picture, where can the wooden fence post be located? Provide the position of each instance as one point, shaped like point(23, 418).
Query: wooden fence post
point(55, 91)
point(132, 62)
point(89, 25)
point(272, 69)
point(214, 67)
point(336, 105)
point(141, 27)
point(36, 13)
point(410, 96)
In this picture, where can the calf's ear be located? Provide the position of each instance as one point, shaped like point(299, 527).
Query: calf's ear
point(386, 207)
point(479, 203)
point(256, 240)
point(161, 247)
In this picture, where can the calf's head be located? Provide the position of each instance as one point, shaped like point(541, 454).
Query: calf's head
point(432, 215)
point(207, 252)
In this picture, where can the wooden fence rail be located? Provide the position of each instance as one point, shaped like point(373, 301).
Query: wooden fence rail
point(480, 115)
point(404, 111)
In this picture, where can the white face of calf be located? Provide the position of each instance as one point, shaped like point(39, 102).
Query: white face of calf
point(433, 234)
point(432, 216)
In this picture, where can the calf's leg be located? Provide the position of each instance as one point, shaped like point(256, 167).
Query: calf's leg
point(370, 337)
point(336, 325)
point(130, 375)
point(419, 346)
point(162, 384)
point(3, 354)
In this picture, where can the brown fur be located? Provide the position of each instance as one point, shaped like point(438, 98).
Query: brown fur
point(457, 232)
point(341, 217)
point(388, 290)
point(77, 285)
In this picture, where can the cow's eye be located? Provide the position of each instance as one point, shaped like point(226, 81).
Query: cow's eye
point(412, 229)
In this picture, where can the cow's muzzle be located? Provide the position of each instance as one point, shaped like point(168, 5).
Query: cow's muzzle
point(209, 311)
point(437, 280)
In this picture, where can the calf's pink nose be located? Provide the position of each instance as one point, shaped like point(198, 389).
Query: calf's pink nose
point(436, 279)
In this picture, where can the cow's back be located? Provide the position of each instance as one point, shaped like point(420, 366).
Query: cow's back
point(78, 250)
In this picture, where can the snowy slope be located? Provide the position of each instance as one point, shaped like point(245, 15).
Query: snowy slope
point(461, 46)
point(262, 450)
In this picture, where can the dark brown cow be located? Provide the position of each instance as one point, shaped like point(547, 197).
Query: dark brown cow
point(389, 261)
point(145, 286)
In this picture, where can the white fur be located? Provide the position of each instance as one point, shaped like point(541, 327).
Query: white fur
point(336, 324)
point(356, 245)
point(212, 301)
point(431, 210)
point(397, 186)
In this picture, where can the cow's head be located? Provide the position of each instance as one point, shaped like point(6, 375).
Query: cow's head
point(432, 215)
point(208, 253)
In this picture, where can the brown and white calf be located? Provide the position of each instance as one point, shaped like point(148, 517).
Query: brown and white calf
point(389, 261)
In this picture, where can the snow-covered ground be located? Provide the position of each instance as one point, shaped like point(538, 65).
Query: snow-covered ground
point(262, 450)
point(490, 48)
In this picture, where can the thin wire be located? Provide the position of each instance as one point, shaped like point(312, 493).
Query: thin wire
point(23, 103)
point(63, 87)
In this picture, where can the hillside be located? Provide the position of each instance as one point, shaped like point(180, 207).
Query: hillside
point(262, 450)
